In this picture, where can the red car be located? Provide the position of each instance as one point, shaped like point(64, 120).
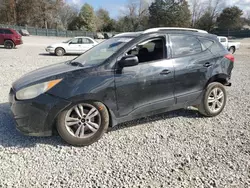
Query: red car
point(10, 38)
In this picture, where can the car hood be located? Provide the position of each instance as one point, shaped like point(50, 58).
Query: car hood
point(58, 44)
point(52, 72)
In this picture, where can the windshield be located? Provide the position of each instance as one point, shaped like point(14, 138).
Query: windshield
point(101, 52)
point(67, 41)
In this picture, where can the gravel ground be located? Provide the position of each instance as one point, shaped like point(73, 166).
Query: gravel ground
point(177, 149)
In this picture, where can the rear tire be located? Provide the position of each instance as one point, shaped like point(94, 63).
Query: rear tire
point(8, 44)
point(83, 124)
point(59, 51)
point(232, 50)
point(214, 100)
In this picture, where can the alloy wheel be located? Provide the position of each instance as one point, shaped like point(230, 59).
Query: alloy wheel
point(83, 120)
point(216, 100)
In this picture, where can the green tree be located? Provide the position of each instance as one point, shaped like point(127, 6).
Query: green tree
point(169, 13)
point(102, 19)
point(87, 17)
point(206, 22)
point(230, 18)
point(75, 24)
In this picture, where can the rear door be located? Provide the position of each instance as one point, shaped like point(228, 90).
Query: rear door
point(86, 44)
point(193, 64)
point(1, 37)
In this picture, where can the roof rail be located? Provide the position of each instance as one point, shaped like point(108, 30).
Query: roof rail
point(174, 28)
point(128, 33)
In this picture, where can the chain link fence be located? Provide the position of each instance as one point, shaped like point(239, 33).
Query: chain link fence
point(51, 32)
point(233, 34)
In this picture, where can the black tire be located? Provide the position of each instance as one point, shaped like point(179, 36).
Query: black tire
point(77, 141)
point(59, 51)
point(232, 50)
point(9, 44)
point(204, 107)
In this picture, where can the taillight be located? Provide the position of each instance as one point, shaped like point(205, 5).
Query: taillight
point(230, 57)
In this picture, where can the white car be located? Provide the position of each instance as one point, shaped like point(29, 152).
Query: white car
point(77, 45)
point(230, 46)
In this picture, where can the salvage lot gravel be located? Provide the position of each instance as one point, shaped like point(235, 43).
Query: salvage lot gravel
point(176, 149)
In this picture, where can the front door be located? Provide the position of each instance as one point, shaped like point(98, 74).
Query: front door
point(149, 86)
point(86, 44)
point(74, 46)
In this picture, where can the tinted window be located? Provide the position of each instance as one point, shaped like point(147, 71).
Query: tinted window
point(206, 43)
point(1, 31)
point(183, 45)
point(150, 50)
point(7, 31)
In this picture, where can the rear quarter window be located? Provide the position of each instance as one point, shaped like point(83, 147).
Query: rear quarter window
point(184, 45)
point(206, 43)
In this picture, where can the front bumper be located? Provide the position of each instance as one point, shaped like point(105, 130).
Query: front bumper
point(36, 117)
point(50, 50)
point(18, 42)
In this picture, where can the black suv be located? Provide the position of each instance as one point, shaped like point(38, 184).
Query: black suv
point(129, 76)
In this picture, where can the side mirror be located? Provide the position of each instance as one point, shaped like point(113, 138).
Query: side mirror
point(129, 61)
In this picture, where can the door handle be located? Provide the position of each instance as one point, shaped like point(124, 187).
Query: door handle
point(165, 72)
point(207, 64)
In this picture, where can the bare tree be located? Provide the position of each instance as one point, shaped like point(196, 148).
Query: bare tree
point(136, 12)
point(197, 9)
point(212, 9)
point(215, 7)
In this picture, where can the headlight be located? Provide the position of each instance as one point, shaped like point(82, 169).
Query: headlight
point(35, 90)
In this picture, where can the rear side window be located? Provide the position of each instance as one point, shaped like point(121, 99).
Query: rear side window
point(1, 31)
point(183, 45)
point(7, 31)
point(86, 41)
point(206, 43)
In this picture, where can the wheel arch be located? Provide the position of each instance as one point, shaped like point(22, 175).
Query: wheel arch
point(60, 47)
point(221, 78)
point(112, 117)
point(9, 40)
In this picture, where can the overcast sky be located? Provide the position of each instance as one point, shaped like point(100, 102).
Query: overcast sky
point(115, 6)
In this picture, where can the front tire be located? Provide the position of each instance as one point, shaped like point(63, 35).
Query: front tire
point(83, 124)
point(214, 100)
point(8, 44)
point(59, 51)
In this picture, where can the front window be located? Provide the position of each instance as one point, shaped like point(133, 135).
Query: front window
point(149, 50)
point(101, 52)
